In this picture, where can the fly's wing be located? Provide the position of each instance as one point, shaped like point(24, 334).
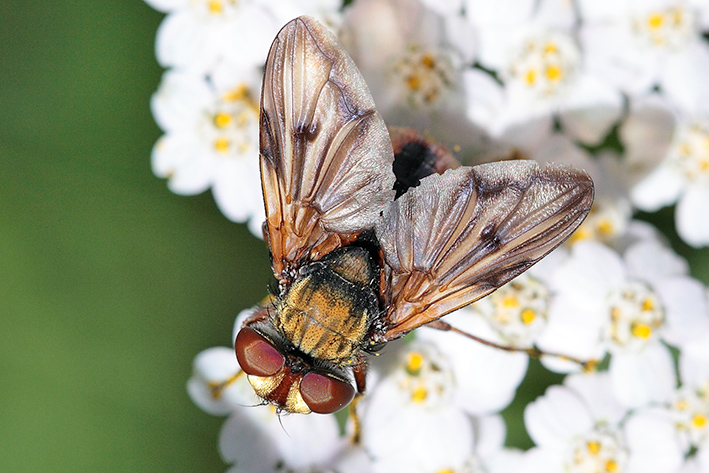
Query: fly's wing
point(326, 156)
point(459, 236)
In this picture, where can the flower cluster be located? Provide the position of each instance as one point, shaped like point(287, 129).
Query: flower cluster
point(619, 88)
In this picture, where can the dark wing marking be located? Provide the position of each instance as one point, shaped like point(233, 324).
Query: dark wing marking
point(459, 236)
point(326, 156)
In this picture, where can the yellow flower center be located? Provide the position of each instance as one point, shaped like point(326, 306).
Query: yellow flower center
point(239, 93)
point(551, 48)
point(655, 20)
point(590, 366)
point(222, 120)
point(593, 447)
point(528, 316)
point(215, 7)
point(699, 421)
point(605, 227)
point(419, 395)
point(221, 145)
point(642, 331)
point(414, 362)
point(554, 73)
point(510, 301)
point(648, 304)
point(428, 61)
point(583, 233)
point(413, 82)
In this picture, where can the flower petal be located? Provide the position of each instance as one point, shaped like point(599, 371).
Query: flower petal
point(596, 391)
point(694, 362)
point(686, 316)
point(591, 110)
point(691, 217)
point(651, 260)
point(211, 367)
point(652, 442)
point(555, 417)
point(685, 77)
point(182, 41)
point(642, 378)
point(662, 187)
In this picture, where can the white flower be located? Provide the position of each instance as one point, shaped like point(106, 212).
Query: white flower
point(646, 134)
point(536, 56)
point(415, 417)
point(218, 386)
point(409, 422)
point(257, 439)
point(689, 405)
point(518, 311)
point(484, 378)
point(211, 140)
point(325, 11)
point(412, 423)
point(412, 59)
point(672, 149)
point(626, 307)
point(197, 34)
point(580, 428)
point(637, 44)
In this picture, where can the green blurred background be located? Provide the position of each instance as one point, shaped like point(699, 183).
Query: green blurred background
point(110, 283)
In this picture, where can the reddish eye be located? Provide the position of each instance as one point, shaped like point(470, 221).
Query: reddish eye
point(324, 394)
point(257, 356)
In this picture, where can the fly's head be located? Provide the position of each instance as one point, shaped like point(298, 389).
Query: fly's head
point(285, 378)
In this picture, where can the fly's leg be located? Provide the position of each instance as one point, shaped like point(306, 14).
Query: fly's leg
point(217, 388)
point(534, 352)
point(360, 376)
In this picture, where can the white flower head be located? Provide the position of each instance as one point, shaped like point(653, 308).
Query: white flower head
point(325, 11)
point(543, 70)
point(666, 26)
point(639, 44)
point(607, 221)
point(412, 60)
point(518, 311)
point(627, 307)
point(197, 34)
point(689, 151)
point(414, 419)
point(211, 140)
point(543, 65)
point(411, 410)
point(258, 439)
point(689, 405)
point(676, 169)
point(579, 428)
point(404, 52)
point(218, 386)
point(485, 378)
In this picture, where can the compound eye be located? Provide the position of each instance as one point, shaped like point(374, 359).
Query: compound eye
point(324, 394)
point(257, 357)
